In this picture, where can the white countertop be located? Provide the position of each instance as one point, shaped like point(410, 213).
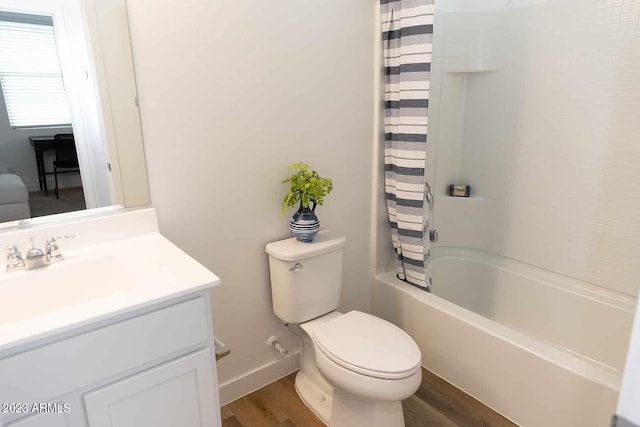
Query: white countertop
point(158, 269)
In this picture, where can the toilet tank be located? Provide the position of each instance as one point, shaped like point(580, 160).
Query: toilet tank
point(306, 278)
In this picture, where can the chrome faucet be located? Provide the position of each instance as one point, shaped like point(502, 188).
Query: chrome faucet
point(36, 257)
point(14, 257)
point(53, 253)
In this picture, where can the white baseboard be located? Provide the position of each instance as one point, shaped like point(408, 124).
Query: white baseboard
point(251, 381)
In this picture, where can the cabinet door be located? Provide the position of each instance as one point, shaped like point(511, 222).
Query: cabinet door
point(180, 393)
point(41, 420)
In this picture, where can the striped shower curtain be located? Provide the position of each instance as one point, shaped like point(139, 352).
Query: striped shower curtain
point(407, 29)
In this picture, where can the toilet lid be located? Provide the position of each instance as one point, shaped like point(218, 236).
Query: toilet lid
point(368, 345)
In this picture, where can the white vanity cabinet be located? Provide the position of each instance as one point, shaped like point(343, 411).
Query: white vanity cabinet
point(151, 367)
point(176, 394)
point(42, 420)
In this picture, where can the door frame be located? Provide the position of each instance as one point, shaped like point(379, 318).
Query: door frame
point(78, 76)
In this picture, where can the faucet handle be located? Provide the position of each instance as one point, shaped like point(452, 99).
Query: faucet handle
point(52, 240)
point(12, 249)
point(53, 251)
point(14, 257)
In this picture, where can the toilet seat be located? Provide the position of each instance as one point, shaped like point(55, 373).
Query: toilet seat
point(368, 345)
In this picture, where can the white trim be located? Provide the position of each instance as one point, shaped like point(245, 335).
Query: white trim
point(111, 50)
point(256, 379)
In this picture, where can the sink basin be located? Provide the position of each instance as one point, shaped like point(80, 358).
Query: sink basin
point(27, 294)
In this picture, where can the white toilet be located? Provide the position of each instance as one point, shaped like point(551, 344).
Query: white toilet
point(355, 368)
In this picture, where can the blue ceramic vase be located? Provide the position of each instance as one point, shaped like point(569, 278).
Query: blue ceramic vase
point(304, 224)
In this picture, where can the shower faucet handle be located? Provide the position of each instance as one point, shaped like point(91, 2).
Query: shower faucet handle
point(428, 195)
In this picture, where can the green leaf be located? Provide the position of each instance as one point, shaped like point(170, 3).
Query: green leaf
point(305, 187)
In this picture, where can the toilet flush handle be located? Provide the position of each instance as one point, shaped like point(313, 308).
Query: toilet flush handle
point(296, 268)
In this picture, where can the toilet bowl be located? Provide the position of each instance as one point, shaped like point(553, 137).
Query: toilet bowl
point(368, 366)
point(355, 368)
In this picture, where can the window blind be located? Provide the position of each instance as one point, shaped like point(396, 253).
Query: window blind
point(30, 75)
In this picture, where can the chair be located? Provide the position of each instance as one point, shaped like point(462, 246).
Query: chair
point(66, 157)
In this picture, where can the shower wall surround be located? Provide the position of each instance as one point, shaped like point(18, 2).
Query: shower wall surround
point(538, 112)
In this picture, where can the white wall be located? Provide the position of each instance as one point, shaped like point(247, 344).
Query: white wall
point(230, 94)
point(549, 137)
point(17, 155)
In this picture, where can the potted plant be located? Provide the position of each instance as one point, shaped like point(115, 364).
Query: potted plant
point(306, 187)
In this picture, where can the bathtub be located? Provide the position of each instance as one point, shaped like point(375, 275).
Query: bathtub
point(538, 347)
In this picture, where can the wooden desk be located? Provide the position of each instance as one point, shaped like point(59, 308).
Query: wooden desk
point(40, 145)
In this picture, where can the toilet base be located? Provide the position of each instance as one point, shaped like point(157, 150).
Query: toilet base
point(342, 409)
point(313, 397)
point(349, 411)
